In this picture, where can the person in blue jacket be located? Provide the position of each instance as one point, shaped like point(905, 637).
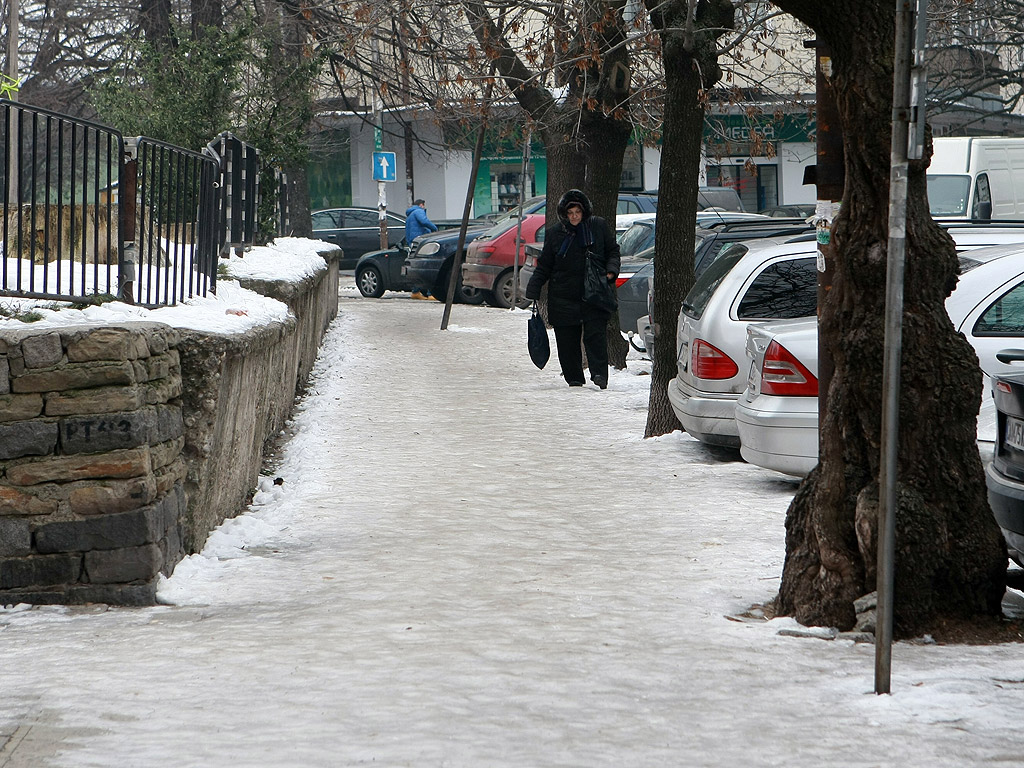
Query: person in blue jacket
point(418, 223)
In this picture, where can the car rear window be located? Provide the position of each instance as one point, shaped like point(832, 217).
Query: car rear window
point(639, 236)
point(704, 288)
point(783, 290)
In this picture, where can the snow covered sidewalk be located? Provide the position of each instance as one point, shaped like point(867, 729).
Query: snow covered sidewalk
point(469, 564)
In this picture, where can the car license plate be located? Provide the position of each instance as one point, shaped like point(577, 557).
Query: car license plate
point(1015, 433)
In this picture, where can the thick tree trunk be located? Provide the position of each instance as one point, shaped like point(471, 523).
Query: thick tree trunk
point(950, 557)
point(691, 66)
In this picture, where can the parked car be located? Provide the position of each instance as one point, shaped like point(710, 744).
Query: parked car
point(777, 413)
point(429, 261)
point(355, 231)
point(633, 291)
point(1004, 475)
point(711, 333)
point(491, 259)
point(748, 282)
point(796, 211)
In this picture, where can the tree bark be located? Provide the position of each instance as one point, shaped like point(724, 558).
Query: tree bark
point(691, 67)
point(950, 556)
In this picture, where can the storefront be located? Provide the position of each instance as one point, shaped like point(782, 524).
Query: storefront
point(762, 158)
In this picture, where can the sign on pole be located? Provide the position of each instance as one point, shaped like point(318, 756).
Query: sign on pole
point(383, 166)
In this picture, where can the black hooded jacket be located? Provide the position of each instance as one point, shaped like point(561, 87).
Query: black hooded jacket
point(563, 264)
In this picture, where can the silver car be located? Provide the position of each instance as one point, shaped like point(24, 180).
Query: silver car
point(748, 282)
point(777, 414)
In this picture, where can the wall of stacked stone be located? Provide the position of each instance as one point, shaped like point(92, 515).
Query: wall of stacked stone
point(122, 447)
point(240, 390)
point(91, 466)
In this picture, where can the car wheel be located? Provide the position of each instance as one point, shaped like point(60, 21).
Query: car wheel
point(464, 294)
point(503, 291)
point(370, 282)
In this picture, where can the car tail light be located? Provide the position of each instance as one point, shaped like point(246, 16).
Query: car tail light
point(709, 362)
point(621, 280)
point(783, 374)
point(1003, 387)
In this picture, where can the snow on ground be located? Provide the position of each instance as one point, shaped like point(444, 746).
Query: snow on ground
point(467, 563)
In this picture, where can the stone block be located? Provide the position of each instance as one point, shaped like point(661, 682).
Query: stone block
point(42, 351)
point(75, 376)
point(94, 400)
point(163, 390)
point(158, 367)
point(106, 432)
point(172, 550)
point(20, 407)
point(109, 496)
point(15, 538)
point(169, 424)
point(117, 531)
point(101, 344)
point(116, 464)
point(39, 571)
point(15, 502)
point(120, 566)
point(5, 375)
point(158, 343)
point(27, 438)
point(112, 594)
point(141, 371)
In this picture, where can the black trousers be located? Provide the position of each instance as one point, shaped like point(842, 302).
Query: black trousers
point(570, 355)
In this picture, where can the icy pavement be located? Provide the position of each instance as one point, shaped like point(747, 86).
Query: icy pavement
point(469, 564)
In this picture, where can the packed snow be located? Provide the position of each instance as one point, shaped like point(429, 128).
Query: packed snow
point(467, 563)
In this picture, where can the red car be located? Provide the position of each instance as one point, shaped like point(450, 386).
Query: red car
point(489, 259)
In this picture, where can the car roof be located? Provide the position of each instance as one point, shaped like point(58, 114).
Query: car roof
point(975, 285)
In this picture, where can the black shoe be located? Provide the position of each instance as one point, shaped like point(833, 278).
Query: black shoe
point(575, 383)
point(601, 381)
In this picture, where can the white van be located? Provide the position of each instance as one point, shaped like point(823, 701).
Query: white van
point(977, 178)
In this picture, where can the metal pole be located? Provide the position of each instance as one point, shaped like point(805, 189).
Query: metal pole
point(519, 224)
point(887, 501)
point(14, 141)
point(378, 133)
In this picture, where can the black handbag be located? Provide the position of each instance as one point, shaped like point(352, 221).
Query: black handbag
point(597, 290)
point(537, 339)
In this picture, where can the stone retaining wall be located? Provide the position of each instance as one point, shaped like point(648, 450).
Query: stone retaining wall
point(122, 447)
point(91, 471)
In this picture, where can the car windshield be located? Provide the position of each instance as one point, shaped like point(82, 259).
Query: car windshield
point(704, 288)
point(948, 195)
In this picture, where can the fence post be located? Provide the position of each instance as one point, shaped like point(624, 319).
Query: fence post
point(127, 217)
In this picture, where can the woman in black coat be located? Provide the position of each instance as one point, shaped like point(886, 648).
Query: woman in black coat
point(562, 262)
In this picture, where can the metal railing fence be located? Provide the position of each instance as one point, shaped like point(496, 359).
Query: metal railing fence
point(89, 213)
point(61, 218)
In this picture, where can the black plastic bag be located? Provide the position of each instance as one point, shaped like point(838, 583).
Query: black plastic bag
point(597, 291)
point(537, 339)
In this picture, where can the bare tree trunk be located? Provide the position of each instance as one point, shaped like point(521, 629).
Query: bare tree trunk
point(691, 67)
point(951, 559)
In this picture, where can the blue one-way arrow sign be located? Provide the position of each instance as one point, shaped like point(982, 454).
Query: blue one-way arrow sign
point(383, 166)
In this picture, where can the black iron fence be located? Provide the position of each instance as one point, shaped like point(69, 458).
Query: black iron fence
point(60, 213)
point(89, 213)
